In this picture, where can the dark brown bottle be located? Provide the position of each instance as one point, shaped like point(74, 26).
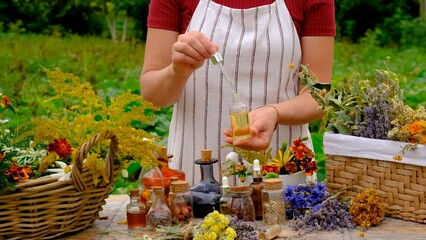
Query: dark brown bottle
point(257, 187)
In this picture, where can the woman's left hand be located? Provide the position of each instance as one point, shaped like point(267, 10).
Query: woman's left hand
point(262, 125)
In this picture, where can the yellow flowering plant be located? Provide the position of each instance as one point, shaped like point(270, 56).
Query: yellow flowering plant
point(76, 114)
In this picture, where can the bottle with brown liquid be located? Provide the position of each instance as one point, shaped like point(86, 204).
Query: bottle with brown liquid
point(136, 211)
point(257, 187)
point(225, 196)
point(206, 193)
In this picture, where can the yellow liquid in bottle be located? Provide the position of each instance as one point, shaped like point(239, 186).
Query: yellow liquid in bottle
point(240, 125)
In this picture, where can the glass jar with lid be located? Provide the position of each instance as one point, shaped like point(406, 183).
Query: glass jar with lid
point(240, 204)
point(180, 202)
point(273, 204)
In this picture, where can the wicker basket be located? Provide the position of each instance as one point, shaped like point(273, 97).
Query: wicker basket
point(44, 208)
point(402, 186)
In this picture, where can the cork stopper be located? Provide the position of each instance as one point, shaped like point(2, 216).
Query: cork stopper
point(273, 184)
point(162, 153)
point(179, 186)
point(239, 188)
point(206, 155)
point(157, 189)
point(134, 193)
point(174, 179)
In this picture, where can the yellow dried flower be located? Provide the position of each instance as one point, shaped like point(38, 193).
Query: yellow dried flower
point(367, 209)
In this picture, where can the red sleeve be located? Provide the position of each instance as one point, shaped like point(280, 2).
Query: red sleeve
point(313, 17)
point(319, 18)
point(164, 14)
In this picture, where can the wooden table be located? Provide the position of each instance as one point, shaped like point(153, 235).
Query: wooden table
point(113, 217)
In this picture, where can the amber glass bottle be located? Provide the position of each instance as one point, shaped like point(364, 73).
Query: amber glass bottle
point(257, 187)
point(136, 211)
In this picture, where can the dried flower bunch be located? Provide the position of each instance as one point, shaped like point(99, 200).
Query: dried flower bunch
point(296, 158)
point(312, 208)
point(370, 108)
point(77, 113)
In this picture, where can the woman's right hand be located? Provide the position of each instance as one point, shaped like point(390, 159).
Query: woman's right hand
point(190, 51)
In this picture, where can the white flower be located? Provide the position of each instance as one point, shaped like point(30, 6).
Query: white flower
point(64, 172)
point(232, 156)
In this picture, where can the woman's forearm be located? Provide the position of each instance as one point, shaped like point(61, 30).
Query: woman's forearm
point(162, 87)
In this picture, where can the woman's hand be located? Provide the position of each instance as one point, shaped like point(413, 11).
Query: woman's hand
point(190, 51)
point(263, 122)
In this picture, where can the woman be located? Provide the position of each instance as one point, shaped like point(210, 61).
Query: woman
point(262, 42)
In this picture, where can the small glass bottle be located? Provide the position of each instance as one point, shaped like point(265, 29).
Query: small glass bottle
point(136, 211)
point(223, 201)
point(273, 202)
point(206, 193)
point(159, 214)
point(239, 118)
point(180, 202)
point(149, 177)
point(257, 187)
point(240, 204)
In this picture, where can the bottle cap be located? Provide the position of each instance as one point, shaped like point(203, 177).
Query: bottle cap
point(225, 183)
point(216, 58)
point(239, 188)
point(236, 98)
point(162, 153)
point(273, 184)
point(256, 165)
point(179, 186)
point(134, 193)
point(206, 155)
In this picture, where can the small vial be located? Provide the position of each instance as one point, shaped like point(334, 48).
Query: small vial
point(223, 201)
point(239, 119)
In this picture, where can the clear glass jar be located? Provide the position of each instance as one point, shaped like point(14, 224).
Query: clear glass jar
point(273, 203)
point(240, 204)
point(136, 211)
point(180, 202)
point(159, 214)
point(206, 194)
point(149, 177)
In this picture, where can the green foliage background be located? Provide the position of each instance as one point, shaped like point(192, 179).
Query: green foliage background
point(74, 36)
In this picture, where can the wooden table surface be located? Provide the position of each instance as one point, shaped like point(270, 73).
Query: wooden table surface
point(113, 217)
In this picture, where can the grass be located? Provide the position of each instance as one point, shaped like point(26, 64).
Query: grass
point(113, 68)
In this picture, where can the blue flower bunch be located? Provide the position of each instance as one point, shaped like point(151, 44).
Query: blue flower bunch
point(304, 197)
point(314, 209)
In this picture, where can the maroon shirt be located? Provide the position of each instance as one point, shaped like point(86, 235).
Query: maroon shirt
point(311, 17)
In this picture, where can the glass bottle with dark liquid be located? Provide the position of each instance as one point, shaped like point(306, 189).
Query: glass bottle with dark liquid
point(136, 211)
point(206, 193)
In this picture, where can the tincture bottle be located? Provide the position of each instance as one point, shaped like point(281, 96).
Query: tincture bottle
point(223, 201)
point(136, 211)
point(239, 118)
point(257, 187)
point(206, 193)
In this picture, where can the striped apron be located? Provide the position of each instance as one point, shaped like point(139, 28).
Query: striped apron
point(258, 46)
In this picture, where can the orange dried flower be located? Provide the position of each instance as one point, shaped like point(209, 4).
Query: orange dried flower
point(270, 168)
point(18, 172)
point(60, 147)
point(5, 101)
point(2, 156)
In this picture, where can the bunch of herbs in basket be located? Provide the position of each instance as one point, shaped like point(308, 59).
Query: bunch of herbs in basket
point(48, 144)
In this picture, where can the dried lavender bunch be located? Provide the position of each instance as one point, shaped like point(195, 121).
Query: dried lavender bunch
point(331, 214)
point(245, 230)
